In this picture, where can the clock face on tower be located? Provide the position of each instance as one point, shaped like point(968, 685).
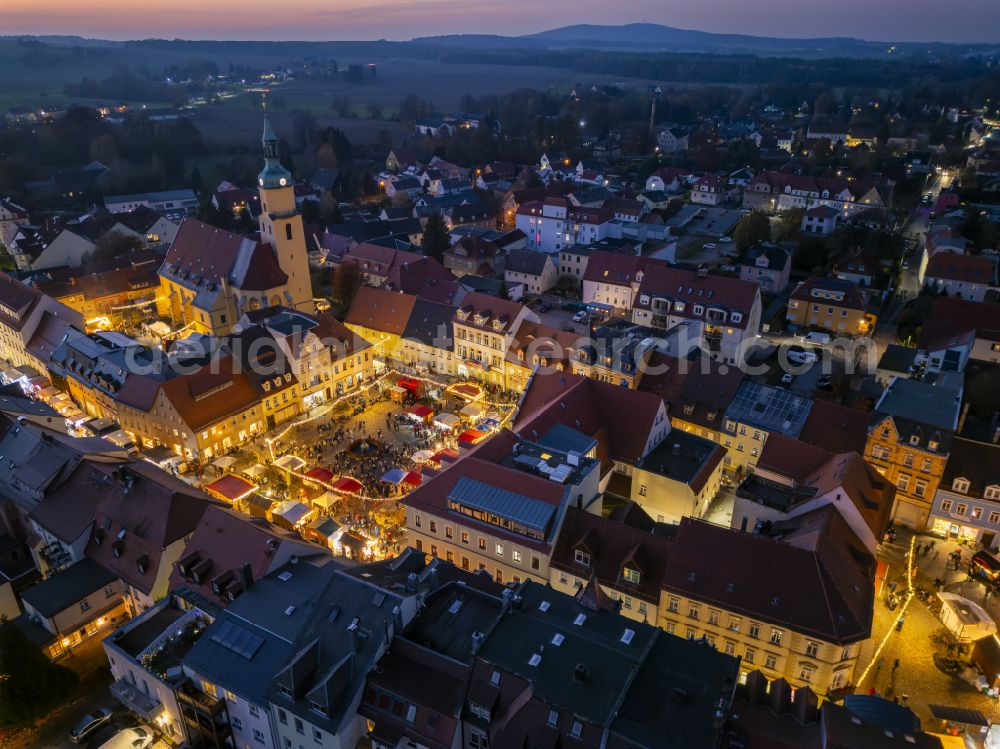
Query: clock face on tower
point(282, 181)
point(261, 181)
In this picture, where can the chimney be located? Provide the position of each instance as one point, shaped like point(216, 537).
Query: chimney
point(756, 688)
point(779, 698)
point(397, 619)
point(804, 706)
point(246, 576)
point(411, 582)
point(579, 672)
point(477, 641)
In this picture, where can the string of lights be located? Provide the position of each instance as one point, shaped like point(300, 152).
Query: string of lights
point(902, 610)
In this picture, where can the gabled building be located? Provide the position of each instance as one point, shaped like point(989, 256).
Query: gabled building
point(537, 271)
point(768, 265)
point(968, 277)
point(31, 325)
point(909, 441)
point(956, 331)
point(830, 304)
point(779, 191)
point(967, 500)
point(484, 328)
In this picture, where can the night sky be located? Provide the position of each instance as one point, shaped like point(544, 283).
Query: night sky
point(893, 20)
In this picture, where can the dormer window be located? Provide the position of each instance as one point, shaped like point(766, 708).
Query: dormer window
point(932, 445)
point(915, 439)
point(699, 310)
point(960, 485)
point(632, 575)
point(581, 557)
point(992, 492)
point(736, 316)
point(497, 325)
point(679, 306)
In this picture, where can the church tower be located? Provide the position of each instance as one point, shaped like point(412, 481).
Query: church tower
point(281, 225)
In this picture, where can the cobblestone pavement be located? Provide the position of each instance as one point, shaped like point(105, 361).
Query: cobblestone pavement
point(917, 679)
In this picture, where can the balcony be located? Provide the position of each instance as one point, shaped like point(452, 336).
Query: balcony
point(145, 706)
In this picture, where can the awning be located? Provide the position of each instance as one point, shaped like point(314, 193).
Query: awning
point(446, 456)
point(290, 462)
point(487, 425)
point(447, 421)
point(422, 456)
point(420, 412)
point(471, 436)
point(471, 411)
point(260, 501)
point(958, 715)
point(319, 473)
point(292, 511)
point(347, 485)
point(466, 390)
point(255, 471)
point(230, 487)
point(413, 478)
point(326, 500)
point(225, 462)
point(410, 384)
point(394, 475)
point(397, 390)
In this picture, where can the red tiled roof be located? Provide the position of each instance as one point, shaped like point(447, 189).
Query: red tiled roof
point(133, 528)
point(227, 540)
point(676, 284)
point(621, 420)
point(490, 307)
point(613, 268)
point(230, 487)
point(199, 249)
point(826, 585)
point(950, 266)
point(381, 310)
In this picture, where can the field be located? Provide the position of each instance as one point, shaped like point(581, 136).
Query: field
point(36, 77)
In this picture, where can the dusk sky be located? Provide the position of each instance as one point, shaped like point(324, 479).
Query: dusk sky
point(895, 20)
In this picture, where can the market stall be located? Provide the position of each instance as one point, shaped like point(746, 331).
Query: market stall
point(420, 413)
point(470, 437)
point(290, 514)
point(231, 488)
point(291, 463)
point(320, 475)
point(446, 421)
point(347, 485)
point(394, 476)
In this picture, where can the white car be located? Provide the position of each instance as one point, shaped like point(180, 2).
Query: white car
point(816, 337)
point(786, 379)
point(581, 316)
point(140, 737)
point(726, 240)
point(801, 356)
point(709, 246)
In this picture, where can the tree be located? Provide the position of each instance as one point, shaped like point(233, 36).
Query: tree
point(436, 238)
point(346, 282)
point(30, 684)
point(503, 292)
point(753, 228)
point(790, 224)
point(115, 243)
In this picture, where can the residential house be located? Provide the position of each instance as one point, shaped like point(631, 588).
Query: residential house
point(672, 139)
point(708, 190)
point(72, 606)
point(768, 265)
point(756, 412)
point(909, 441)
point(484, 328)
point(830, 304)
point(536, 270)
point(968, 277)
point(168, 202)
point(31, 325)
point(555, 223)
point(779, 191)
point(474, 255)
point(958, 330)
point(668, 179)
point(730, 309)
point(806, 625)
point(860, 268)
point(820, 220)
point(793, 477)
point(967, 501)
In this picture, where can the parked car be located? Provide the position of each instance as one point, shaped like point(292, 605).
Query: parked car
point(799, 355)
point(709, 246)
point(581, 316)
point(88, 724)
point(786, 379)
point(140, 737)
point(817, 337)
point(725, 240)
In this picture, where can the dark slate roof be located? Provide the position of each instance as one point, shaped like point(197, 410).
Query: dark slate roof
point(429, 322)
point(66, 588)
point(531, 262)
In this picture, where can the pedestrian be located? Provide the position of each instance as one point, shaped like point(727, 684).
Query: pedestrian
point(895, 664)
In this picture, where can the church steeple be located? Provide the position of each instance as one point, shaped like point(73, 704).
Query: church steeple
point(273, 175)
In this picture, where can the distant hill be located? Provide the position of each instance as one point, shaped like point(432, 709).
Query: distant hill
point(648, 37)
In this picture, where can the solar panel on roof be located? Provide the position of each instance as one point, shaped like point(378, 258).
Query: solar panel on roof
point(237, 639)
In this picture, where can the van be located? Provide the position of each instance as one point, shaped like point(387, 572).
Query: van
point(140, 737)
point(819, 338)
